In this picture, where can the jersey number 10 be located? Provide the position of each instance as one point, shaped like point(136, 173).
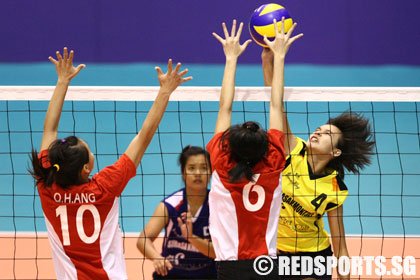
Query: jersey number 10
point(62, 212)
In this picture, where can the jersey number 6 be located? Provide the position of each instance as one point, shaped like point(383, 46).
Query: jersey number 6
point(62, 212)
point(251, 187)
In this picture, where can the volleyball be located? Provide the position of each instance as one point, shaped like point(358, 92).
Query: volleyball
point(261, 22)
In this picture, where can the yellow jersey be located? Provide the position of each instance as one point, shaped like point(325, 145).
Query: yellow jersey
point(306, 197)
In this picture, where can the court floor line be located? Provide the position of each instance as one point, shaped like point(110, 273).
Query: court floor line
point(24, 255)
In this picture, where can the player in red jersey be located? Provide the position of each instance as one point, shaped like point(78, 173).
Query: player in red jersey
point(81, 214)
point(245, 196)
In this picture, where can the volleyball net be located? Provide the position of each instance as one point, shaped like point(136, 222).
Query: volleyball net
point(381, 213)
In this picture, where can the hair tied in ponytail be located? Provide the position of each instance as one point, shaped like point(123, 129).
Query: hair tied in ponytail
point(63, 141)
point(251, 126)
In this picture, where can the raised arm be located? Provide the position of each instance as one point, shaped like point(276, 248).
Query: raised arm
point(145, 242)
point(168, 83)
point(232, 49)
point(65, 72)
point(280, 47)
point(267, 58)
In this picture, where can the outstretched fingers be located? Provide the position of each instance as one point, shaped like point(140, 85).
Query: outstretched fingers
point(177, 67)
point(183, 72)
point(65, 53)
point(238, 35)
point(159, 71)
point(53, 60)
point(246, 43)
point(225, 30)
point(170, 67)
point(78, 68)
point(295, 38)
point(276, 27)
point(233, 31)
point(220, 39)
point(71, 56)
point(186, 79)
point(266, 41)
point(59, 57)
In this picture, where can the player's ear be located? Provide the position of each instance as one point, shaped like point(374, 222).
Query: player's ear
point(86, 169)
point(336, 152)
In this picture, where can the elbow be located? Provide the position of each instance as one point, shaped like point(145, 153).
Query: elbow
point(141, 243)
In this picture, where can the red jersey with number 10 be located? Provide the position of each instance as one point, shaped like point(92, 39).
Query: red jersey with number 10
point(244, 215)
point(82, 223)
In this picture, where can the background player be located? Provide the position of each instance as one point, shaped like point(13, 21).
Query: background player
point(81, 214)
point(187, 251)
point(245, 194)
point(313, 180)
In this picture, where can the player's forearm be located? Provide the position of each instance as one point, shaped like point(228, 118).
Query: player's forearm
point(340, 250)
point(139, 144)
point(55, 106)
point(277, 88)
point(228, 85)
point(277, 92)
point(267, 66)
point(154, 116)
point(203, 245)
point(146, 247)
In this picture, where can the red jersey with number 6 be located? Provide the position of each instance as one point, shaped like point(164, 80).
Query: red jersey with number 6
point(244, 215)
point(82, 223)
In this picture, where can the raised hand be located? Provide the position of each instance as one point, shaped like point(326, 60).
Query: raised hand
point(282, 42)
point(170, 80)
point(64, 66)
point(185, 224)
point(231, 45)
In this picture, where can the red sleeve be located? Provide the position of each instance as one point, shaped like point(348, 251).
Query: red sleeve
point(115, 177)
point(213, 147)
point(276, 154)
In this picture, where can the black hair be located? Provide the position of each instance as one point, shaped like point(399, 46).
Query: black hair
point(356, 143)
point(192, 151)
point(69, 154)
point(248, 145)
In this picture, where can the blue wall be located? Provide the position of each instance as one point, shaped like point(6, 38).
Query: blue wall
point(358, 32)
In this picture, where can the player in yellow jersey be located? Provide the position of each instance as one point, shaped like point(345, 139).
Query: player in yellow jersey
point(313, 182)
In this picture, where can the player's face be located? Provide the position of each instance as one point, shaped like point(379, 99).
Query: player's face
point(324, 140)
point(197, 172)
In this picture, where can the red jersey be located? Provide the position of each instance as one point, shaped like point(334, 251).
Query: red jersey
point(82, 223)
point(244, 215)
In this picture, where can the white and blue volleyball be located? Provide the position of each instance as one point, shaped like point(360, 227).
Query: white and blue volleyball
point(261, 22)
